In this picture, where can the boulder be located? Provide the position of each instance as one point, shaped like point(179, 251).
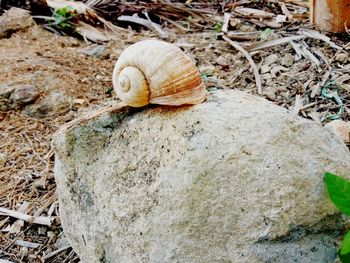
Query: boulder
point(234, 179)
point(55, 103)
point(13, 20)
point(16, 96)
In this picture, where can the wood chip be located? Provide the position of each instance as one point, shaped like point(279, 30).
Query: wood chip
point(297, 105)
point(5, 261)
point(53, 253)
point(286, 11)
point(253, 13)
point(36, 220)
point(227, 17)
point(26, 244)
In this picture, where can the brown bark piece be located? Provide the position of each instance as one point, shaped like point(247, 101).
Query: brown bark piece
point(331, 15)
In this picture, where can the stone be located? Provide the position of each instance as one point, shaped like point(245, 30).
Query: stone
point(287, 60)
point(6, 90)
point(208, 70)
point(340, 128)
point(23, 94)
point(222, 61)
point(234, 179)
point(271, 59)
point(55, 103)
point(264, 69)
point(93, 50)
point(14, 20)
point(342, 57)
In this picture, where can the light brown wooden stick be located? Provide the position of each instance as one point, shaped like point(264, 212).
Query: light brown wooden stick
point(82, 120)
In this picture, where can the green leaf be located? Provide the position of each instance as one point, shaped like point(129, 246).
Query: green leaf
point(345, 246)
point(338, 190)
point(266, 33)
point(344, 258)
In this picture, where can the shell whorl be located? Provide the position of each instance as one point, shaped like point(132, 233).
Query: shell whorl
point(153, 71)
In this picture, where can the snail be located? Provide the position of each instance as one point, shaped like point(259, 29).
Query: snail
point(156, 72)
point(152, 71)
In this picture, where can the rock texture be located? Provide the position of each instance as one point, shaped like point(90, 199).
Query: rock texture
point(14, 20)
point(235, 179)
point(340, 128)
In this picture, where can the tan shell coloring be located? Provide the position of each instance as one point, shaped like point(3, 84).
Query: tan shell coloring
point(157, 72)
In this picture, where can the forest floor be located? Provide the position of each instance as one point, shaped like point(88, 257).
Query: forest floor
point(47, 79)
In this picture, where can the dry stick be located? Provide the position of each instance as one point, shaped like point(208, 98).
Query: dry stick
point(49, 201)
point(53, 253)
point(275, 42)
point(14, 239)
point(46, 221)
point(144, 22)
point(251, 61)
point(117, 108)
point(227, 17)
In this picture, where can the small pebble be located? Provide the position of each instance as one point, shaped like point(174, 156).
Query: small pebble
point(342, 57)
point(24, 94)
point(222, 61)
point(42, 230)
point(287, 60)
point(271, 59)
point(264, 69)
point(207, 70)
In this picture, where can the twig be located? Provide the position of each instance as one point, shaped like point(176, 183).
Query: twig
point(40, 220)
point(27, 244)
point(14, 239)
point(143, 22)
point(227, 17)
point(117, 108)
point(5, 261)
point(251, 61)
point(275, 42)
point(297, 105)
point(49, 201)
point(53, 253)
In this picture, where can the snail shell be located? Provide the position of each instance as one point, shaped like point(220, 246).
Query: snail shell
point(157, 72)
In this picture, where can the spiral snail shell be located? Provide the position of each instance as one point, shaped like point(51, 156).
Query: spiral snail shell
point(157, 72)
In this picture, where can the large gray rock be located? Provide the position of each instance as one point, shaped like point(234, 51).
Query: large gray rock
point(235, 179)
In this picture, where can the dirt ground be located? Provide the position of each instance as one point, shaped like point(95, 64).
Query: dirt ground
point(71, 77)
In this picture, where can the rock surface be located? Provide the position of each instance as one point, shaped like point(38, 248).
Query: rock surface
point(235, 179)
point(14, 20)
point(15, 96)
point(340, 128)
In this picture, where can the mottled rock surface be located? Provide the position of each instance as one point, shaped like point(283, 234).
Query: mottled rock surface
point(235, 179)
point(14, 20)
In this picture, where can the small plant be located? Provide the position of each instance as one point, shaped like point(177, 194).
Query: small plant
point(218, 26)
point(265, 34)
point(338, 190)
point(62, 17)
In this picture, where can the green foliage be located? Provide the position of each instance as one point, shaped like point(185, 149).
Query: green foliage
point(338, 190)
point(266, 33)
point(218, 26)
point(62, 16)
